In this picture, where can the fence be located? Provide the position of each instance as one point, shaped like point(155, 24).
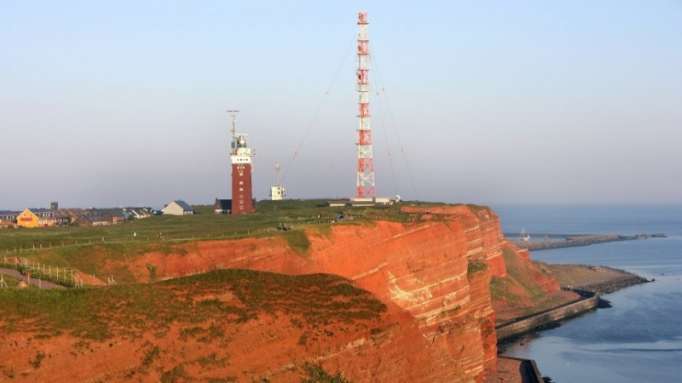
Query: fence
point(60, 275)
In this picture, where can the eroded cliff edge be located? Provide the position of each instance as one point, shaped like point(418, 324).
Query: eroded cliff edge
point(437, 269)
point(433, 274)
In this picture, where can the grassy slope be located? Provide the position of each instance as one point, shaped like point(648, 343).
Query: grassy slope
point(11, 282)
point(101, 313)
point(86, 248)
point(205, 224)
point(520, 292)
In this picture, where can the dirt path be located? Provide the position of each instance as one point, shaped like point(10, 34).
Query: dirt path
point(32, 281)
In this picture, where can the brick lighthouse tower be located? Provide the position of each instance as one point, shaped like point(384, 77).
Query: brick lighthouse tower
point(241, 157)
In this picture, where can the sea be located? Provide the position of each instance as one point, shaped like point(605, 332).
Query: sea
point(638, 339)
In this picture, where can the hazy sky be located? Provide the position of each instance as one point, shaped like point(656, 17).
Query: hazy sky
point(123, 102)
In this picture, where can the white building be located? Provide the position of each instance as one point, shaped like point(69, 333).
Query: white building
point(278, 192)
point(177, 207)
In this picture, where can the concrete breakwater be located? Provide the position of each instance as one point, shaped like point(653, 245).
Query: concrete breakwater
point(589, 301)
point(557, 241)
point(514, 369)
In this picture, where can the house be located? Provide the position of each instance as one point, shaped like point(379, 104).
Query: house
point(95, 217)
point(177, 207)
point(28, 219)
point(222, 206)
point(339, 203)
point(32, 218)
point(138, 212)
point(8, 218)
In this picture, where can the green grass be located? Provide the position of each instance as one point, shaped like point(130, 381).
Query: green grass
point(474, 267)
point(130, 310)
point(174, 375)
point(477, 208)
point(89, 249)
point(84, 248)
point(203, 225)
point(500, 290)
point(521, 274)
point(11, 282)
point(314, 373)
point(150, 356)
point(297, 240)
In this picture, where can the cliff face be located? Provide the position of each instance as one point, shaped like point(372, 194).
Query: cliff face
point(421, 268)
point(432, 274)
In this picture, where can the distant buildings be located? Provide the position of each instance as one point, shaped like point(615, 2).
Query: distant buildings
point(97, 217)
point(32, 218)
point(138, 212)
point(278, 193)
point(177, 207)
point(35, 218)
point(8, 218)
point(222, 206)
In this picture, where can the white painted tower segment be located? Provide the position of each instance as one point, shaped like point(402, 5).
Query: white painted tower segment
point(365, 184)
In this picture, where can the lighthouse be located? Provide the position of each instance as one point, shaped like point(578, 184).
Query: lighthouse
point(241, 157)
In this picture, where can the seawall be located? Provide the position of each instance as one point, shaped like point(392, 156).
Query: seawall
point(581, 240)
point(529, 323)
point(522, 370)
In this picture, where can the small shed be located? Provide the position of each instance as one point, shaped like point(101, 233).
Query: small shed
point(177, 207)
point(222, 206)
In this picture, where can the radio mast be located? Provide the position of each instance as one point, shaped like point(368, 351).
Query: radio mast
point(365, 187)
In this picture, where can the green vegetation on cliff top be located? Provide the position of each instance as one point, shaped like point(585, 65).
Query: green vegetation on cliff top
point(203, 225)
point(130, 310)
point(86, 248)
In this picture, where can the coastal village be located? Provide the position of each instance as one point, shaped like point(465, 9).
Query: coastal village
point(282, 289)
point(241, 183)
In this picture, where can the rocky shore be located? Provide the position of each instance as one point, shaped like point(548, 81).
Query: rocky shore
point(589, 282)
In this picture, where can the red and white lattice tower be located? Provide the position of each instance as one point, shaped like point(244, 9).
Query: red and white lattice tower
point(365, 187)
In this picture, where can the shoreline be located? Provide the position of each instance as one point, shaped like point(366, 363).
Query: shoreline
point(588, 281)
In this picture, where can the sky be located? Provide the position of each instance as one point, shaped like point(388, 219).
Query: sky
point(526, 102)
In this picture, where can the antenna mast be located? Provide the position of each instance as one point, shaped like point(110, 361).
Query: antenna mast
point(365, 186)
point(233, 115)
point(278, 171)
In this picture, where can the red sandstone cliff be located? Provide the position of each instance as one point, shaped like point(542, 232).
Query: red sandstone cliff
point(439, 326)
point(422, 268)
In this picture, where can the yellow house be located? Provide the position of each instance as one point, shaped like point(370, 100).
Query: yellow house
point(28, 219)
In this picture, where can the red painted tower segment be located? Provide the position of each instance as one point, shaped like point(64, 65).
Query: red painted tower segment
point(242, 190)
point(241, 158)
point(365, 187)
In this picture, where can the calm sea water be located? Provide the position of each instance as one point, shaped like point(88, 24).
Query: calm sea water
point(639, 339)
